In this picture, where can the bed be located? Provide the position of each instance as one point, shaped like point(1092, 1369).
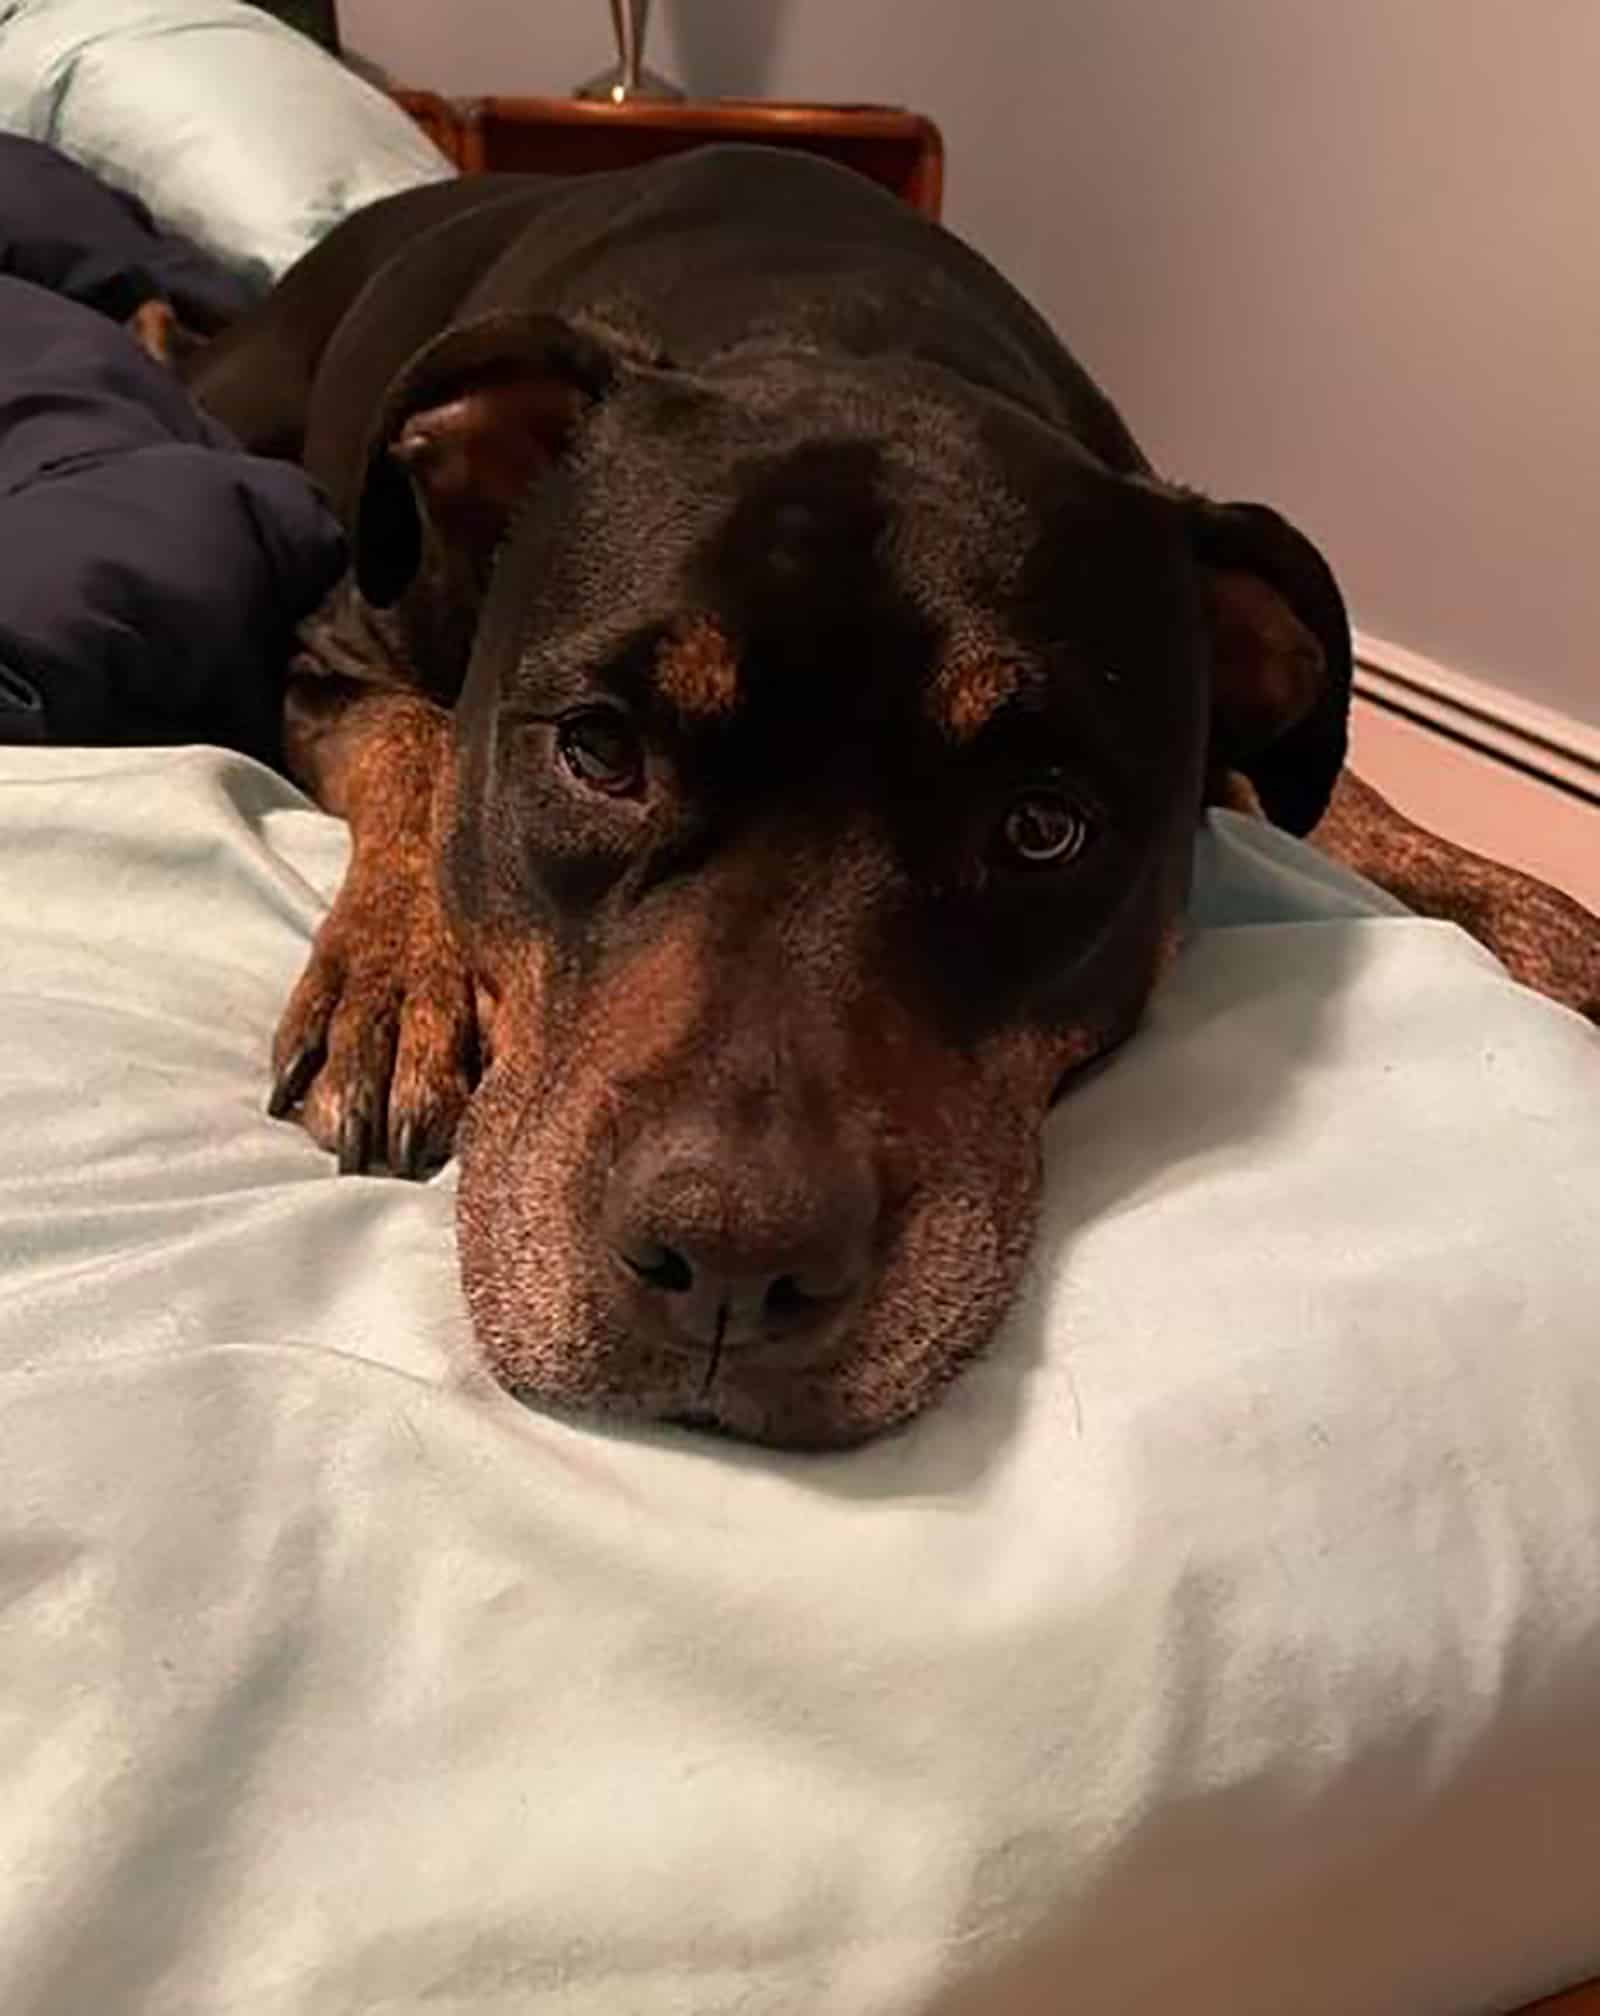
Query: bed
point(1228, 1640)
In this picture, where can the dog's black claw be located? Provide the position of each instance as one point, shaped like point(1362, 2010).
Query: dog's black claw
point(355, 1144)
point(294, 1081)
point(418, 1151)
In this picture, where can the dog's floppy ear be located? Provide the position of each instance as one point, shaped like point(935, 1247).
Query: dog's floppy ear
point(1280, 658)
point(464, 431)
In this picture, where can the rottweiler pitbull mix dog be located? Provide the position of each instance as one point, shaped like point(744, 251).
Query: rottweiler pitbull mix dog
point(772, 700)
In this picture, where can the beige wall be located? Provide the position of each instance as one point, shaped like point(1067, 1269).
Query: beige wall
point(1342, 254)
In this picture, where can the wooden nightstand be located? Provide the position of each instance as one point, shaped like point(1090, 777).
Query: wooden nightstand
point(572, 136)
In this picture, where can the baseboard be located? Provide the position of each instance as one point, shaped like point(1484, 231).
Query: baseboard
point(1534, 740)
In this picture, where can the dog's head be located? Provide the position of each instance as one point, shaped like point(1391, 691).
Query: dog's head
point(830, 755)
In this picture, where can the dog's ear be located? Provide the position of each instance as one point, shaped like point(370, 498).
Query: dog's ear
point(464, 432)
point(1280, 658)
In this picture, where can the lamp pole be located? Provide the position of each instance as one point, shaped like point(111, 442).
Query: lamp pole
point(628, 78)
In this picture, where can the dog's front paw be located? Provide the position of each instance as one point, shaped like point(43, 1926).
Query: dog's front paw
point(378, 1047)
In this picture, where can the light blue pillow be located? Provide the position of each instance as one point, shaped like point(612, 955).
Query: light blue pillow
point(229, 126)
point(1226, 1639)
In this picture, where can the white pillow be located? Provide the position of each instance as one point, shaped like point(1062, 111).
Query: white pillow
point(1232, 1628)
point(228, 125)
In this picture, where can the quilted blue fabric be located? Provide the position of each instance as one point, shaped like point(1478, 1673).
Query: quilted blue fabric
point(153, 572)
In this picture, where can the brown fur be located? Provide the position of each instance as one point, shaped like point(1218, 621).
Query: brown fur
point(163, 337)
point(1234, 792)
point(697, 672)
point(1266, 666)
point(378, 1039)
point(153, 325)
point(769, 1004)
point(477, 453)
point(953, 1139)
point(968, 689)
point(1541, 937)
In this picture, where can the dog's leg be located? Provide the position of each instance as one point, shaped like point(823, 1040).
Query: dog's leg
point(1542, 938)
point(378, 1045)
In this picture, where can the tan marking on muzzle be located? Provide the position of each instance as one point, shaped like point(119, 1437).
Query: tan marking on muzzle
point(644, 1013)
point(967, 692)
point(697, 671)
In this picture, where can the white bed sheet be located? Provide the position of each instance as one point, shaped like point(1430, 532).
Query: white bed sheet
point(1233, 1628)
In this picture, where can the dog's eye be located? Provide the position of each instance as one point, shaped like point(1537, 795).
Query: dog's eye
point(1043, 830)
point(599, 746)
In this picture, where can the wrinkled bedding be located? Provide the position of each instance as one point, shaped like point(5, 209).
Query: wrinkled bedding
point(1232, 1628)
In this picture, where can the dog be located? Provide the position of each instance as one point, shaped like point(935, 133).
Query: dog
point(773, 699)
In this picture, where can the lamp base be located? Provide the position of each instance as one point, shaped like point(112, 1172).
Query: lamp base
point(615, 88)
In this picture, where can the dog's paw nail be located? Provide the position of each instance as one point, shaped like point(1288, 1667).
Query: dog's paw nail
point(293, 1081)
point(355, 1146)
point(406, 1159)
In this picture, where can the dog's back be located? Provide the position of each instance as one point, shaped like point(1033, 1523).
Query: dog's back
point(681, 260)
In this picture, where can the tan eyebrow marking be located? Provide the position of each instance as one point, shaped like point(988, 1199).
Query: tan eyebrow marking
point(968, 690)
point(698, 671)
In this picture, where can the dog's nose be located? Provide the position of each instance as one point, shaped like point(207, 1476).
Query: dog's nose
point(727, 1252)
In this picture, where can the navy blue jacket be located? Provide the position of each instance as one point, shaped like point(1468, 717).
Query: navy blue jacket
point(151, 573)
